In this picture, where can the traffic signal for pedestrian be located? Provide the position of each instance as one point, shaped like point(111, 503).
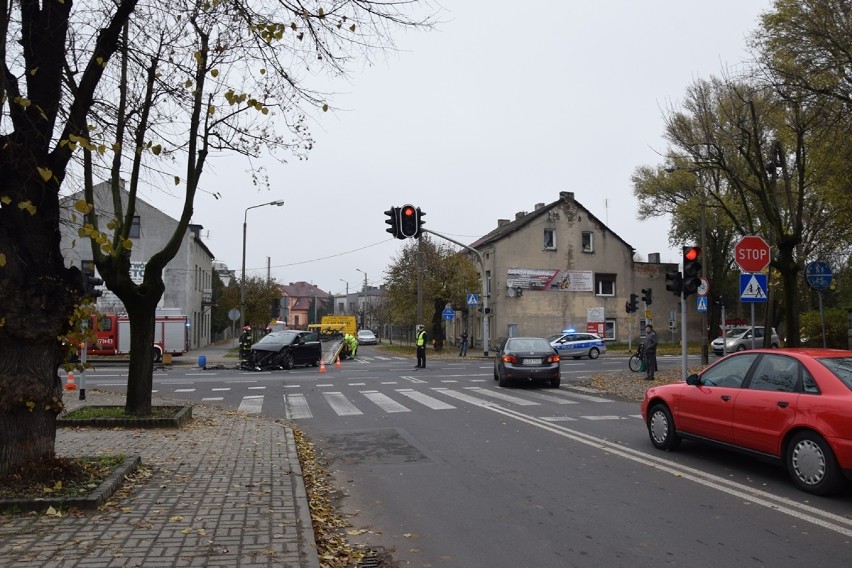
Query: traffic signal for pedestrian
point(674, 283)
point(691, 270)
point(90, 281)
point(646, 296)
point(409, 223)
point(393, 221)
point(631, 305)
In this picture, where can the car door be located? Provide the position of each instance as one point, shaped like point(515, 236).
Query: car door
point(767, 404)
point(308, 349)
point(707, 409)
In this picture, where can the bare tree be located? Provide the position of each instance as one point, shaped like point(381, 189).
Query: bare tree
point(130, 90)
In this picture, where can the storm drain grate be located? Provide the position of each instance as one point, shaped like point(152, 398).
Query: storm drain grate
point(373, 559)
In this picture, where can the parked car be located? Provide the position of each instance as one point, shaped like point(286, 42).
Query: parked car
point(285, 349)
point(527, 359)
point(367, 337)
point(739, 339)
point(790, 406)
point(576, 345)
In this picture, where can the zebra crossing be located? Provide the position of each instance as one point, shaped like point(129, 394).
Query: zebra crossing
point(363, 400)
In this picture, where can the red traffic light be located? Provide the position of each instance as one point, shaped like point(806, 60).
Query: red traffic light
point(408, 211)
point(691, 253)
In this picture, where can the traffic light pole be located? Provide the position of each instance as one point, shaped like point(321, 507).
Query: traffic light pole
point(485, 311)
point(683, 333)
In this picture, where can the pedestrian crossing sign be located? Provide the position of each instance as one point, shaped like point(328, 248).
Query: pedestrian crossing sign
point(472, 300)
point(753, 287)
point(701, 303)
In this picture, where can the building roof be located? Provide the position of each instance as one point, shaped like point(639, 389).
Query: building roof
point(303, 293)
point(506, 228)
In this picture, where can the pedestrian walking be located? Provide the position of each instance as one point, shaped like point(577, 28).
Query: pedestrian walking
point(649, 349)
point(421, 347)
point(463, 344)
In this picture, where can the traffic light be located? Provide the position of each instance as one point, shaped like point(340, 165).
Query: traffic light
point(90, 281)
point(409, 225)
point(691, 268)
point(393, 221)
point(674, 283)
point(420, 215)
point(646, 296)
point(631, 305)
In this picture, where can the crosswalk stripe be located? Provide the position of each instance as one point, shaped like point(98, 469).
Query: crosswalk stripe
point(296, 406)
point(503, 396)
point(340, 404)
point(251, 404)
point(385, 402)
point(184, 390)
point(425, 399)
point(549, 397)
point(587, 398)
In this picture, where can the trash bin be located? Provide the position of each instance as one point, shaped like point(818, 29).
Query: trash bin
point(202, 361)
point(167, 358)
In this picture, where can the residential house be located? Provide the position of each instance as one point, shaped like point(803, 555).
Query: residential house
point(188, 276)
point(560, 267)
point(303, 303)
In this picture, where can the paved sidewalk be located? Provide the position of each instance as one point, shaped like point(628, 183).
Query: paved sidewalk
point(225, 490)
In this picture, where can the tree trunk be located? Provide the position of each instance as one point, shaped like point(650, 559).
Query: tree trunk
point(140, 379)
point(37, 298)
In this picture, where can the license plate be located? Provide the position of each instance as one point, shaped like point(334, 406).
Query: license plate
point(532, 362)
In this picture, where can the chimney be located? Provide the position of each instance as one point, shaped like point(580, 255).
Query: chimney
point(566, 196)
point(502, 222)
point(519, 214)
point(538, 206)
point(654, 257)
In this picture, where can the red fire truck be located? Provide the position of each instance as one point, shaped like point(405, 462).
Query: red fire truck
point(171, 334)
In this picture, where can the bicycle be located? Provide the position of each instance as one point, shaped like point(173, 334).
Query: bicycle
point(636, 360)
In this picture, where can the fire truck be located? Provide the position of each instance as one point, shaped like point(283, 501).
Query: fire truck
point(171, 335)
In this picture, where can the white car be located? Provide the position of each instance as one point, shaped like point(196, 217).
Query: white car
point(570, 343)
point(367, 337)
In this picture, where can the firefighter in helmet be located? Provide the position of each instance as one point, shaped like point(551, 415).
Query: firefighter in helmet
point(245, 343)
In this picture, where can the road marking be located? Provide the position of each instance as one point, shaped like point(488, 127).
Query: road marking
point(184, 390)
point(251, 404)
point(549, 397)
point(296, 406)
point(385, 402)
point(412, 380)
point(340, 404)
point(217, 389)
point(503, 396)
point(256, 388)
point(605, 417)
point(425, 399)
point(212, 398)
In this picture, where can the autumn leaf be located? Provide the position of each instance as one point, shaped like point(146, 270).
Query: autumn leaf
point(83, 207)
point(2, 260)
point(45, 173)
point(27, 206)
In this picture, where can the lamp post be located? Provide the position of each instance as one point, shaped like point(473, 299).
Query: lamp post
point(705, 355)
point(346, 304)
point(364, 303)
point(277, 203)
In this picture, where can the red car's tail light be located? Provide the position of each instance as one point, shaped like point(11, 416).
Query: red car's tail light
point(553, 359)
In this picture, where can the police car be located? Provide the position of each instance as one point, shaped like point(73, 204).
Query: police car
point(569, 343)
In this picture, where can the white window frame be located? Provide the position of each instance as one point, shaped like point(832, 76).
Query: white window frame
point(590, 247)
point(549, 239)
point(600, 280)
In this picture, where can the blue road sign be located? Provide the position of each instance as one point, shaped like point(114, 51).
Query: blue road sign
point(753, 287)
point(701, 303)
point(472, 300)
point(448, 314)
point(818, 275)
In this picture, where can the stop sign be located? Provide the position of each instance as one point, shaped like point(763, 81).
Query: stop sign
point(751, 254)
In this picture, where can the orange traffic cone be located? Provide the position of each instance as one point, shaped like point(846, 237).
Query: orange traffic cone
point(70, 385)
point(337, 362)
point(322, 366)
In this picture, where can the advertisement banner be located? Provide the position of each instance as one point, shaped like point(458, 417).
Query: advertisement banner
point(550, 279)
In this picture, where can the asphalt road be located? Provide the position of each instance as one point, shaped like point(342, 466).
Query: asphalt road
point(445, 469)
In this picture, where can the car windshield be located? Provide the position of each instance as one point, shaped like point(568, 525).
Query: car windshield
point(737, 331)
point(528, 344)
point(554, 337)
point(841, 367)
point(279, 337)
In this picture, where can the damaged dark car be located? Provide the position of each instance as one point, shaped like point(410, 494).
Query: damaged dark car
point(285, 349)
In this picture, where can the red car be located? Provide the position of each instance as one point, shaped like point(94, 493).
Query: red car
point(790, 406)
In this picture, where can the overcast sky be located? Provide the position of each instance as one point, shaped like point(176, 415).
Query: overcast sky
point(503, 106)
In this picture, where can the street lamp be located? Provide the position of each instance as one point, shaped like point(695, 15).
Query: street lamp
point(277, 203)
point(346, 303)
point(364, 303)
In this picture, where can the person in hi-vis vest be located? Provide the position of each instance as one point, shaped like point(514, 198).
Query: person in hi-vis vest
point(421, 347)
